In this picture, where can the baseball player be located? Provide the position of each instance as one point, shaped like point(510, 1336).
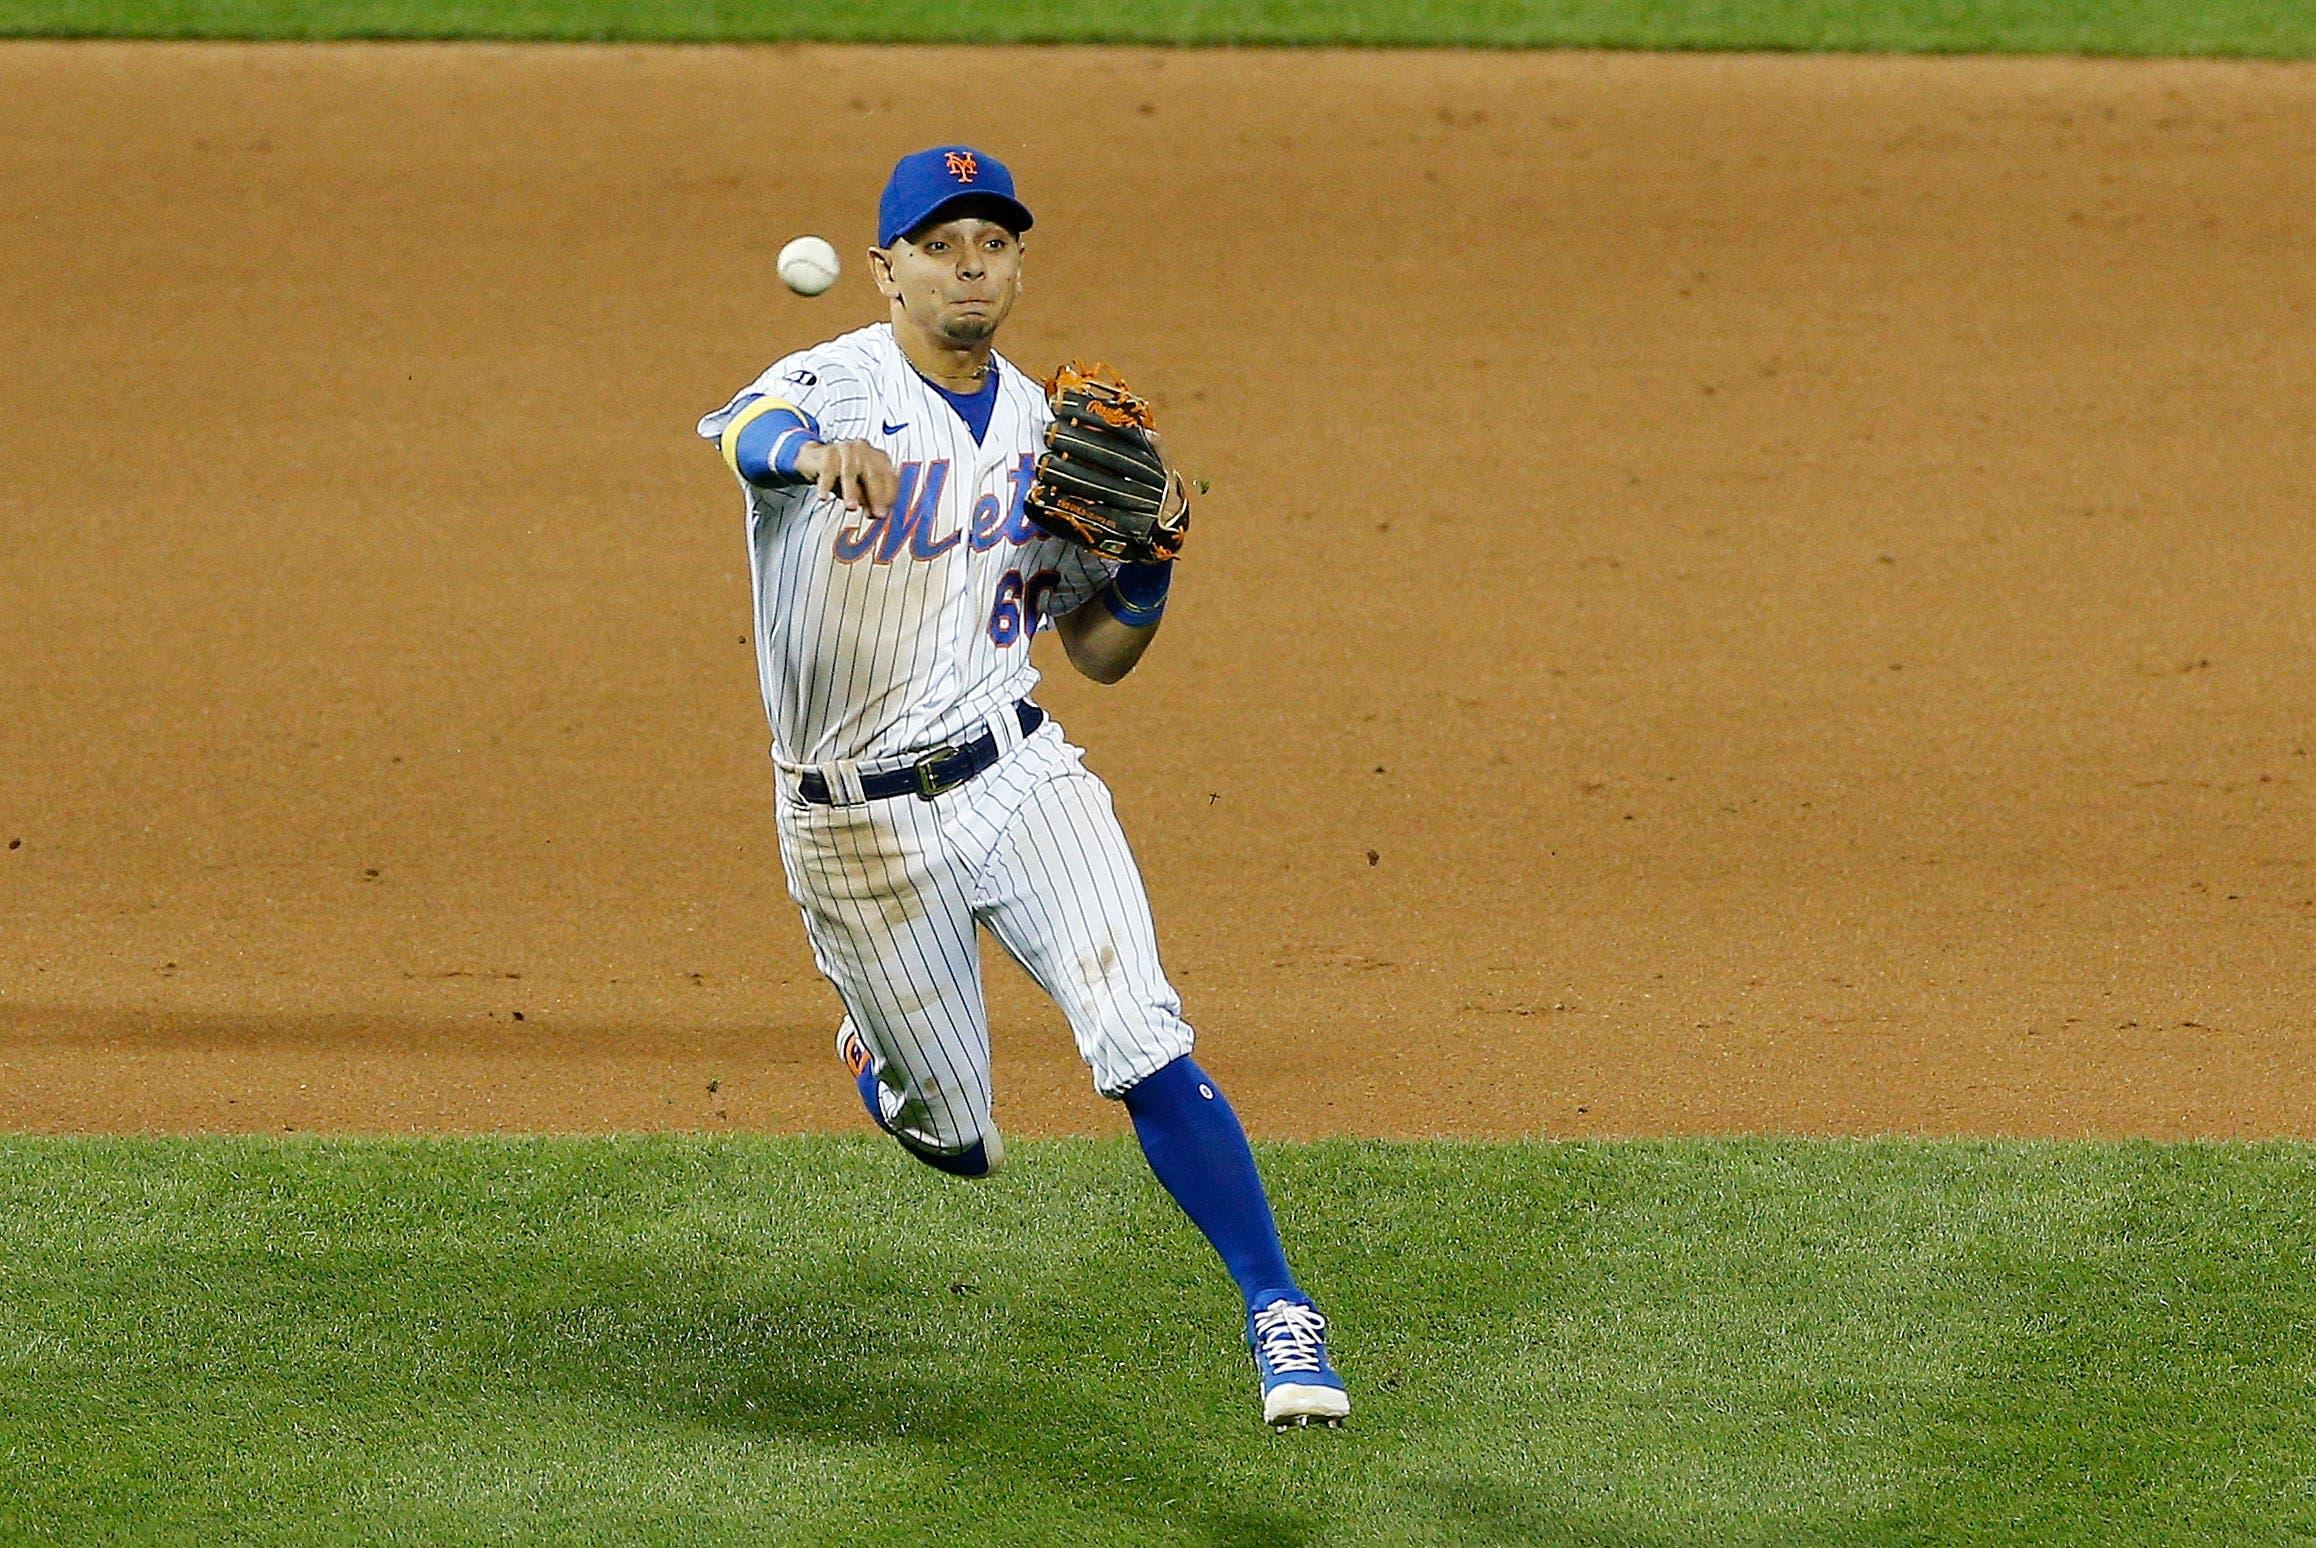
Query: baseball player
point(899, 578)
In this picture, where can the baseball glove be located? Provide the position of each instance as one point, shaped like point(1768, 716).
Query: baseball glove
point(1101, 482)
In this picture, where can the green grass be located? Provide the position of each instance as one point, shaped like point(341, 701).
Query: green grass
point(2272, 28)
point(812, 1340)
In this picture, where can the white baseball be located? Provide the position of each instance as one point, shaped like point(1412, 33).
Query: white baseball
point(808, 265)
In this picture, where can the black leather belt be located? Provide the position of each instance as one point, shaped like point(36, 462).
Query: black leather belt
point(944, 768)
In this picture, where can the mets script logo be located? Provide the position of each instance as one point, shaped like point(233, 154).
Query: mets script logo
point(963, 167)
point(913, 529)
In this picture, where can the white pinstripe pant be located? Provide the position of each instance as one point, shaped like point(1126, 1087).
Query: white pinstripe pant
point(892, 890)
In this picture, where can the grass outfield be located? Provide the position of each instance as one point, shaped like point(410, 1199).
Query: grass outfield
point(813, 1340)
point(2262, 28)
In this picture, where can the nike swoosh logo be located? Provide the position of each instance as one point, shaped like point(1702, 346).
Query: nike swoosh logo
point(896, 429)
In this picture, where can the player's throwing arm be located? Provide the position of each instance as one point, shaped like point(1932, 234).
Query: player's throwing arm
point(853, 471)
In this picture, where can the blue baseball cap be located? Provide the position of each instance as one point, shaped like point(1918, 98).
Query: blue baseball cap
point(925, 184)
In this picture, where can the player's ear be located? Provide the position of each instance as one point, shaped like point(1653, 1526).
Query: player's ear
point(881, 271)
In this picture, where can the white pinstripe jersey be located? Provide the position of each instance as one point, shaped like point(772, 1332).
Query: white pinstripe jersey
point(879, 636)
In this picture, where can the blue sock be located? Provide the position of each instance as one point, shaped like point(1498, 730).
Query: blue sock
point(1200, 1155)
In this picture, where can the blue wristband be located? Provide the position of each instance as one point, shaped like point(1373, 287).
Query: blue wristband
point(1136, 595)
point(764, 452)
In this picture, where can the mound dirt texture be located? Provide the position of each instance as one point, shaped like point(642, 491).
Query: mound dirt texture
point(1740, 594)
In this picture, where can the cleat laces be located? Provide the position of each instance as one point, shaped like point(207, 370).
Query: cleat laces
point(1290, 1337)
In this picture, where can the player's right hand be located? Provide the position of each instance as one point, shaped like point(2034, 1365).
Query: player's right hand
point(857, 472)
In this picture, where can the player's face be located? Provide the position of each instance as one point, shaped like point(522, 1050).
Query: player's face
point(957, 280)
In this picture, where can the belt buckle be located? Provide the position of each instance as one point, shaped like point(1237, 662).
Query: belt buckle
point(928, 771)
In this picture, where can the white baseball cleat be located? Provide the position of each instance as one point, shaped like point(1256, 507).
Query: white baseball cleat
point(1288, 1339)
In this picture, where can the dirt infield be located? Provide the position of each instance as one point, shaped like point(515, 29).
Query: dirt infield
point(1763, 594)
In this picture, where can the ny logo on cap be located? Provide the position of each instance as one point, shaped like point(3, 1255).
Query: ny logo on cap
point(962, 166)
